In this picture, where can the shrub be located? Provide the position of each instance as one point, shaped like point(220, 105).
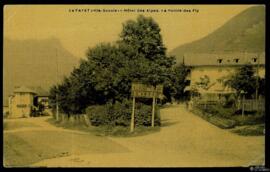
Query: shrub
point(215, 120)
point(222, 122)
point(230, 101)
point(97, 114)
point(252, 130)
point(119, 114)
point(220, 111)
point(249, 119)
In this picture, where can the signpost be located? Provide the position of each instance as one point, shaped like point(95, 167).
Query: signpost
point(132, 115)
point(153, 112)
point(145, 91)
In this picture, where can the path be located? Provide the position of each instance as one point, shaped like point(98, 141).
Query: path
point(184, 140)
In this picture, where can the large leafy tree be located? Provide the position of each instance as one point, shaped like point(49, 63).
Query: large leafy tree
point(143, 35)
point(148, 52)
point(107, 73)
point(107, 63)
point(243, 80)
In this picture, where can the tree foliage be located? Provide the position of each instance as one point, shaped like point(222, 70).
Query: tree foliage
point(245, 80)
point(203, 82)
point(180, 82)
point(106, 75)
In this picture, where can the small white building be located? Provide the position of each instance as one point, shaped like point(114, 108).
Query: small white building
point(24, 99)
point(21, 102)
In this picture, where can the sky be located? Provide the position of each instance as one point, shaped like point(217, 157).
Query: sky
point(103, 23)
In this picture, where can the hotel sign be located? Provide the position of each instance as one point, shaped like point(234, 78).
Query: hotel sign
point(146, 91)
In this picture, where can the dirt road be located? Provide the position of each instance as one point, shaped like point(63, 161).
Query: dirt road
point(184, 140)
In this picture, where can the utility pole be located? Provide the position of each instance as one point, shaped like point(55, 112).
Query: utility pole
point(257, 82)
point(243, 105)
point(57, 78)
point(57, 108)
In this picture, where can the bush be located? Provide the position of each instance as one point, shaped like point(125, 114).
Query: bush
point(220, 111)
point(252, 130)
point(119, 114)
point(218, 121)
point(249, 119)
point(97, 114)
point(230, 101)
point(222, 122)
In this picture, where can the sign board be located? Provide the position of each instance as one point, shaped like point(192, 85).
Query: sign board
point(145, 91)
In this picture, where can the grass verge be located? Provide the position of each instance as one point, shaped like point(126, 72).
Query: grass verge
point(244, 126)
point(215, 120)
point(105, 130)
point(250, 130)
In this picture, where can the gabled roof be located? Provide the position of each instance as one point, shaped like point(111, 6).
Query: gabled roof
point(24, 89)
point(213, 59)
point(35, 90)
point(41, 92)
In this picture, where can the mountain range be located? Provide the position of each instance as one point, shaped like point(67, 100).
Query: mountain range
point(44, 62)
point(244, 32)
point(35, 63)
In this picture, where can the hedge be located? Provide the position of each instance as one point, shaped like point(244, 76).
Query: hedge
point(218, 121)
point(119, 114)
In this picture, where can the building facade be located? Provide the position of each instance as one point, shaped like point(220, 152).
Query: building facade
point(211, 69)
point(24, 99)
point(21, 102)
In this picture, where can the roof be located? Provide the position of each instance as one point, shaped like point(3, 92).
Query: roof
point(213, 59)
point(40, 91)
point(36, 90)
point(24, 89)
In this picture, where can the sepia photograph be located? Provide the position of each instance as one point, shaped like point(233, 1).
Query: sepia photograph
point(134, 85)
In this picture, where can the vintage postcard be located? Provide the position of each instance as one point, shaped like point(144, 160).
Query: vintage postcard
point(134, 86)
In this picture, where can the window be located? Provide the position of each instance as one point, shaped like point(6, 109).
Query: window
point(254, 59)
point(236, 60)
point(219, 60)
point(21, 105)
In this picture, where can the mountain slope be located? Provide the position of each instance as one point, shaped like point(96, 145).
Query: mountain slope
point(244, 32)
point(34, 63)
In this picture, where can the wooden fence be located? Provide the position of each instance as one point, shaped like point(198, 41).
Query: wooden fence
point(75, 119)
point(205, 104)
point(253, 105)
point(248, 104)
